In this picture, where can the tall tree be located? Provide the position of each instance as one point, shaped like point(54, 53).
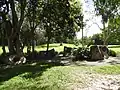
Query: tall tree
point(107, 9)
point(58, 18)
point(2, 36)
point(13, 26)
point(33, 15)
point(114, 30)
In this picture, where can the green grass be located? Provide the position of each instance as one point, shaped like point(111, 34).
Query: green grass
point(41, 76)
point(56, 46)
point(59, 48)
point(110, 69)
point(54, 78)
point(117, 50)
point(50, 76)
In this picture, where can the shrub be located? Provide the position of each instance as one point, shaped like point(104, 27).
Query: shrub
point(81, 54)
point(112, 53)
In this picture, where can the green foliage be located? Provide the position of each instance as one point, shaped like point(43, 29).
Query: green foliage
point(112, 53)
point(39, 19)
point(108, 9)
point(58, 18)
point(114, 29)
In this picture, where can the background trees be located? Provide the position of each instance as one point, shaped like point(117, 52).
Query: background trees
point(58, 19)
point(21, 20)
point(108, 9)
point(13, 25)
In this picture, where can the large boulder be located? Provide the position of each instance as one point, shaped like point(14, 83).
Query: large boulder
point(47, 54)
point(99, 52)
point(67, 51)
point(51, 53)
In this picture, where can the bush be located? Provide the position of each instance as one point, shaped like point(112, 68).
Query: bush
point(112, 53)
point(81, 54)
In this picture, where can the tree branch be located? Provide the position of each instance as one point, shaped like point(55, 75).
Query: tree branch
point(22, 8)
point(14, 15)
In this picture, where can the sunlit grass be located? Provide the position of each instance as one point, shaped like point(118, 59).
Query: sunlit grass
point(55, 78)
point(117, 50)
point(51, 78)
point(111, 69)
point(59, 48)
point(41, 76)
point(56, 46)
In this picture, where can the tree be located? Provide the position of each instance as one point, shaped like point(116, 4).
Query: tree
point(114, 29)
point(33, 17)
point(13, 26)
point(58, 19)
point(3, 36)
point(107, 9)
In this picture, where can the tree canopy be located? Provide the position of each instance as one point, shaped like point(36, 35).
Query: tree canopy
point(108, 9)
point(55, 17)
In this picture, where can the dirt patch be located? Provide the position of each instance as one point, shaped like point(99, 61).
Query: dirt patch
point(96, 82)
point(103, 82)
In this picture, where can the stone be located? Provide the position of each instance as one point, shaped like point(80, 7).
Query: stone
point(67, 51)
point(98, 52)
point(22, 60)
point(15, 59)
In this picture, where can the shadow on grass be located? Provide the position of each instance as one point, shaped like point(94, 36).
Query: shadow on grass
point(34, 70)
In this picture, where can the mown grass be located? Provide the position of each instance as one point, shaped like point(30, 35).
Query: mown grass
point(43, 47)
point(55, 78)
point(56, 46)
point(110, 69)
point(49, 76)
point(115, 48)
point(59, 48)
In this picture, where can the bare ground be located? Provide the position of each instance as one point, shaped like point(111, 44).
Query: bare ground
point(99, 82)
point(94, 81)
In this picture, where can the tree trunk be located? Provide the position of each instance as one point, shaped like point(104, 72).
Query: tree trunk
point(28, 46)
point(3, 42)
point(82, 38)
point(3, 48)
point(11, 46)
point(18, 46)
point(33, 46)
point(16, 25)
point(48, 42)
point(104, 34)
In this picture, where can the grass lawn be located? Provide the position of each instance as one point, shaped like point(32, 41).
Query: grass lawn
point(59, 48)
point(49, 76)
point(115, 48)
point(56, 46)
